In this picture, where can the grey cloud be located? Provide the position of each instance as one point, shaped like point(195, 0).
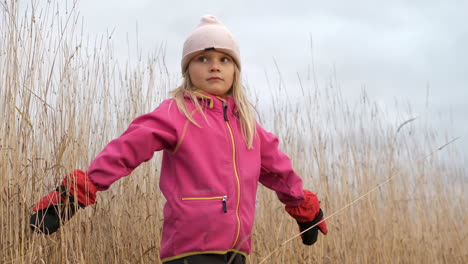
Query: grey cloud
point(395, 48)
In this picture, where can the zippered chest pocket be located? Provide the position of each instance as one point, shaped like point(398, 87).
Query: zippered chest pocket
point(222, 199)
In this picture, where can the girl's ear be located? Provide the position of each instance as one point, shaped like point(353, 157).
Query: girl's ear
point(186, 76)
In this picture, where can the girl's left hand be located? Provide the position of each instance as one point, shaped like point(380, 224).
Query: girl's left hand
point(308, 214)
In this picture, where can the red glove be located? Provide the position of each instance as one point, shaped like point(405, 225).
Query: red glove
point(58, 206)
point(307, 214)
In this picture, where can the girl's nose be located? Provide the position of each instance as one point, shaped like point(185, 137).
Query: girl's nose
point(214, 66)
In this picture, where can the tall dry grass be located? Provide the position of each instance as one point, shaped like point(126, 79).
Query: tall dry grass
point(64, 96)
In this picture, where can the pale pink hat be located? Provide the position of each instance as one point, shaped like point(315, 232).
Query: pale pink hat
point(209, 34)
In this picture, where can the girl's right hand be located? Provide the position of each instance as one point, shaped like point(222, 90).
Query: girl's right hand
point(57, 207)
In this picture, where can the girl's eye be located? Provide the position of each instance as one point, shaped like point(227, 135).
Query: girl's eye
point(225, 59)
point(202, 59)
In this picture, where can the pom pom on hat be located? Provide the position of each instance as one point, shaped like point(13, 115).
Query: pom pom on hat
point(210, 33)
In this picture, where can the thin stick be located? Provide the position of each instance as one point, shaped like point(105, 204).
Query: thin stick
point(355, 201)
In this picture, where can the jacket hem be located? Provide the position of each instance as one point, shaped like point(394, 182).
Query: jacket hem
point(203, 252)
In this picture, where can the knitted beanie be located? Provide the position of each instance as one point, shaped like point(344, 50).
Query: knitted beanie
point(210, 34)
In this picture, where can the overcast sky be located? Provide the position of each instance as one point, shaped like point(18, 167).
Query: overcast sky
point(414, 51)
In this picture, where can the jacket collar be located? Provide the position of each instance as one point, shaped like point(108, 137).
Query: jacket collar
point(215, 102)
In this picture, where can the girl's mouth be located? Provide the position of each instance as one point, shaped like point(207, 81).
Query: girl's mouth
point(215, 79)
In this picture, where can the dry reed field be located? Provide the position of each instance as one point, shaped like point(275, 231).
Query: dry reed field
point(392, 195)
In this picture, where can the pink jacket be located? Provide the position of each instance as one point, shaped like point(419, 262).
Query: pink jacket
point(208, 175)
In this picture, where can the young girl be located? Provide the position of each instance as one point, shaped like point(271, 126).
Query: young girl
point(214, 155)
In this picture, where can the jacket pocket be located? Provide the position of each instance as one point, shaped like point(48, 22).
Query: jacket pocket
point(223, 200)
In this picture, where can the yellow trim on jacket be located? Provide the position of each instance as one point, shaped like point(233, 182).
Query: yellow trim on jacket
point(203, 252)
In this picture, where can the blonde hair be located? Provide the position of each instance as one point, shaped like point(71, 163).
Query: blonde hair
point(237, 91)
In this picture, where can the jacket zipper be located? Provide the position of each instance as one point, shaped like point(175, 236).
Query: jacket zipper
point(222, 198)
point(225, 204)
point(226, 120)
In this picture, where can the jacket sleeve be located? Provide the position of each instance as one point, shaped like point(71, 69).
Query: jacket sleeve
point(145, 135)
point(277, 172)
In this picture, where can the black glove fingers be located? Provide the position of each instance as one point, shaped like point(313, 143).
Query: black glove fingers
point(48, 220)
point(310, 237)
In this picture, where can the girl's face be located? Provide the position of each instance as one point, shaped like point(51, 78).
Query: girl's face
point(212, 71)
